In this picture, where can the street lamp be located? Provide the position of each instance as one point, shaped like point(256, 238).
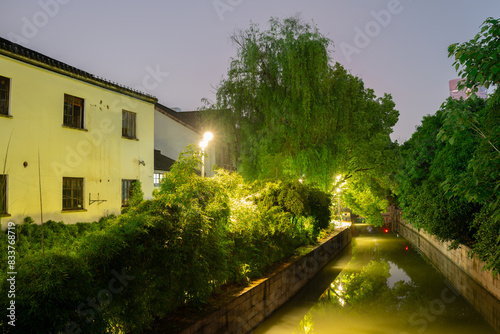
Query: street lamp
point(208, 136)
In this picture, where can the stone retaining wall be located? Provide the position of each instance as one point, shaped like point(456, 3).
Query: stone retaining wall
point(477, 286)
point(258, 302)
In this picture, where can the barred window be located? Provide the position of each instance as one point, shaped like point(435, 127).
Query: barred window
point(4, 95)
point(127, 187)
point(72, 193)
point(129, 124)
point(73, 112)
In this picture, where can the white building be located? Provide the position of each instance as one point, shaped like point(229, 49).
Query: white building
point(173, 132)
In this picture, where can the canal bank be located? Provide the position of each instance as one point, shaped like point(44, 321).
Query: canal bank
point(428, 245)
point(478, 287)
point(379, 284)
point(254, 304)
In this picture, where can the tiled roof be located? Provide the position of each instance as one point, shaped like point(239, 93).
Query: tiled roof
point(162, 162)
point(190, 119)
point(24, 54)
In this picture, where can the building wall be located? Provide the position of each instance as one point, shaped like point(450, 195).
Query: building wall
point(464, 93)
point(172, 137)
point(99, 154)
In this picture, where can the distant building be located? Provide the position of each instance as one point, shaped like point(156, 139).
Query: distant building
point(464, 93)
point(80, 140)
point(173, 132)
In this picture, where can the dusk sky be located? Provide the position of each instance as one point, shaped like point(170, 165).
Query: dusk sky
point(178, 51)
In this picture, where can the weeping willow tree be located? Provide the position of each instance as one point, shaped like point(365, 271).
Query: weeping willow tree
point(289, 112)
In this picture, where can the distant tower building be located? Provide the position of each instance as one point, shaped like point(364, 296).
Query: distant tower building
point(464, 93)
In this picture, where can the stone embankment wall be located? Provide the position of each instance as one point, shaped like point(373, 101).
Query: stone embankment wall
point(258, 302)
point(479, 287)
point(472, 266)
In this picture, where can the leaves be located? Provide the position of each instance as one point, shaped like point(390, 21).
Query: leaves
point(479, 57)
point(176, 249)
point(288, 111)
point(449, 175)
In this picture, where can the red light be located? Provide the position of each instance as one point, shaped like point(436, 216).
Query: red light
point(406, 248)
point(386, 230)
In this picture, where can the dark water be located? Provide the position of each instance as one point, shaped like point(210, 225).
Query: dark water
point(378, 284)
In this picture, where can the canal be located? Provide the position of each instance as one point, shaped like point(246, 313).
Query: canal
point(379, 285)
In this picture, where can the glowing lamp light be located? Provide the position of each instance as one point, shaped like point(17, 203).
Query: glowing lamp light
point(406, 248)
point(386, 230)
point(208, 136)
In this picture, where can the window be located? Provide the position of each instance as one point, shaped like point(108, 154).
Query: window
point(157, 178)
point(3, 194)
point(72, 193)
point(128, 124)
point(4, 95)
point(73, 112)
point(127, 187)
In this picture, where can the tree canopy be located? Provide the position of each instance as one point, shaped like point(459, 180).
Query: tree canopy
point(290, 112)
point(450, 175)
point(478, 60)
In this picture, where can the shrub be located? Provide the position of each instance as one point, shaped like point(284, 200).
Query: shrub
point(176, 249)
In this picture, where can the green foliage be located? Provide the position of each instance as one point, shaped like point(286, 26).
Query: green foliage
point(269, 220)
point(427, 165)
point(478, 60)
point(298, 200)
point(367, 197)
point(137, 194)
point(367, 286)
point(480, 184)
point(363, 291)
point(449, 178)
point(120, 274)
point(319, 206)
point(288, 111)
point(56, 235)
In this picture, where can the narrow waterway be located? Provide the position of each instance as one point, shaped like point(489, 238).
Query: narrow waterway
point(378, 285)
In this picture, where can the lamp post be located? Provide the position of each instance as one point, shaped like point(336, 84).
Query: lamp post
point(338, 198)
point(208, 136)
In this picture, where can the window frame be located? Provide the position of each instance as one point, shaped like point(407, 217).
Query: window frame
point(129, 124)
point(5, 104)
point(3, 195)
point(127, 190)
point(76, 196)
point(75, 122)
point(158, 177)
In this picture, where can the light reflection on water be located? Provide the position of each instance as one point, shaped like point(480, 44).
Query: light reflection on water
point(379, 284)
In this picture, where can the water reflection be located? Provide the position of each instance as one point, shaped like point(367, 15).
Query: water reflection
point(385, 287)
